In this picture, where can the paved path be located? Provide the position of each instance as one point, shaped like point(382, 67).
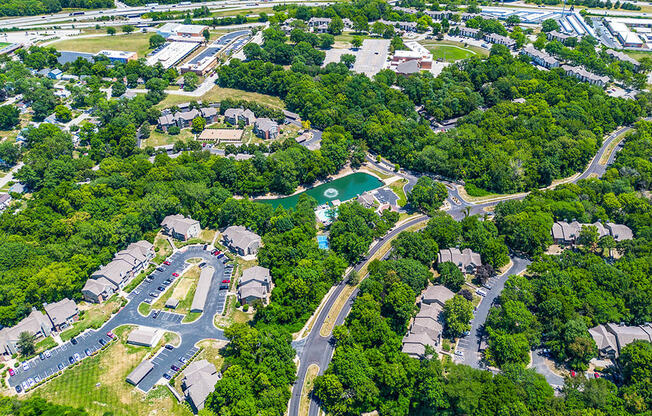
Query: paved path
point(316, 349)
point(10, 175)
point(190, 333)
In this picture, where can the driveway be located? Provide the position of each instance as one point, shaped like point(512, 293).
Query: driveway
point(190, 333)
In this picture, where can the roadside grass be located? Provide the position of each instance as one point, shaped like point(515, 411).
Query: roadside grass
point(329, 323)
point(615, 142)
point(451, 51)
point(397, 188)
point(133, 42)
point(267, 10)
point(231, 314)
point(162, 248)
point(216, 94)
point(138, 279)
point(94, 316)
point(205, 237)
point(304, 403)
point(161, 139)
point(370, 168)
point(98, 385)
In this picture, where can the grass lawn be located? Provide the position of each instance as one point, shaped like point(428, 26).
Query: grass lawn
point(639, 54)
point(161, 139)
point(183, 289)
point(138, 279)
point(133, 42)
point(98, 385)
point(4, 44)
point(162, 248)
point(452, 51)
point(218, 94)
point(93, 316)
point(397, 188)
point(205, 237)
point(231, 314)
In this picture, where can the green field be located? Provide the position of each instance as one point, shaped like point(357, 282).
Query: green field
point(3, 44)
point(133, 42)
point(452, 51)
point(218, 94)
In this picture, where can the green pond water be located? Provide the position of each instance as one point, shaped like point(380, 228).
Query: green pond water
point(344, 188)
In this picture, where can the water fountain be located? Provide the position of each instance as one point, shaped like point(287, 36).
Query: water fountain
point(331, 193)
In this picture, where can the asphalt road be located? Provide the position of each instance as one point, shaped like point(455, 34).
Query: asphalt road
point(190, 333)
point(316, 349)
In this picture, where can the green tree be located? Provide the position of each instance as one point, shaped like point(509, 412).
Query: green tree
point(9, 153)
point(198, 124)
point(326, 41)
point(427, 194)
point(62, 113)
point(588, 237)
point(507, 348)
point(156, 40)
point(9, 117)
point(416, 246)
point(451, 276)
point(348, 60)
point(128, 28)
point(457, 315)
point(190, 81)
point(26, 344)
point(110, 30)
point(549, 25)
point(356, 42)
point(336, 26)
point(207, 35)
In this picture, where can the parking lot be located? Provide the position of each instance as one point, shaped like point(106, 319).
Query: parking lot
point(190, 333)
point(163, 362)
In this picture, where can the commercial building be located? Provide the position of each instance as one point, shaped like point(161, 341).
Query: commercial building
point(180, 227)
point(203, 286)
point(144, 336)
point(181, 30)
point(241, 241)
point(540, 57)
point(416, 52)
point(466, 260)
point(171, 53)
point(62, 314)
point(255, 285)
point(620, 30)
point(118, 56)
point(585, 76)
point(198, 382)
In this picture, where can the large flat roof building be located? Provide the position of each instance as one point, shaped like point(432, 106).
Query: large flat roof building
point(140, 372)
point(172, 53)
point(203, 287)
point(119, 56)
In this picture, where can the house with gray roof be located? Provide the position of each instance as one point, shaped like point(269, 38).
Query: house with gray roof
point(612, 338)
point(198, 382)
point(558, 36)
point(241, 241)
point(466, 260)
point(98, 290)
point(62, 314)
point(414, 344)
point(137, 254)
point(36, 324)
point(567, 233)
point(231, 115)
point(140, 372)
point(585, 76)
point(500, 39)
point(117, 271)
point(184, 118)
point(436, 294)
point(620, 232)
point(5, 199)
point(247, 116)
point(209, 114)
point(541, 58)
point(620, 56)
point(266, 128)
point(255, 284)
point(180, 227)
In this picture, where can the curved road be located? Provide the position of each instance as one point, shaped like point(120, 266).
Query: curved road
point(316, 349)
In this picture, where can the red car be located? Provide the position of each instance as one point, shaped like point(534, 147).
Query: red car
point(572, 373)
point(167, 263)
point(110, 335)
point(175, 274)
point(596, 374)
point(11, 372)
point(217, 253)
point(226, 281)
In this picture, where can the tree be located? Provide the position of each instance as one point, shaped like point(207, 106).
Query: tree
point(198, 124)
point(508, 349)
point(451, 276)
point(110, 30)
point(549, 25)
point(156, 40)
point(128, 28)
point(207, 34)
point(636, 362)
point(356, 42)
point(513, 20)
point(118, 88)
point(483, 273)
point(457, 314)
point(348, 60)
point(336, 26)
point(444, 230)
point(588, 237)
point(360, 23)
point(326, 41)
point(26, 344)
point(62, 113)
point(9, 117)
point(9, 153)
point(427, 194)
point(190, 81)
point(416, 246)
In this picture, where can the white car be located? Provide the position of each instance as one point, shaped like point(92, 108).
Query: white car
point(25, 366)
point(77, 357)
point(459, 353)
point(48, 354)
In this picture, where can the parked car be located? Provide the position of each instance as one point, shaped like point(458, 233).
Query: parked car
point(202, 264)
point(224, 287)
point(160, 269)
point(71, 360)
point(169, 347)
point(175, 274)
point(73, 341)
point(167, 281)
point(148, 301)
point(48, 354)
point(11, 372)
point(205, 247)
point(153, 294)
point(41, 356)
point(18, 389)
point(60, 366)
point(167, 263)
point(30, 382)
point(25, 366)
point(24, 385)
point(459, 353)
point(572, 373)
point(167, 376)
point(102, 342)
point(174, 367)
point(154, 314)
point(596, 374)
point(160, 288)
point(226, 281)
point(487, 286)
point(110, 335)
point(481, 292)
point(37, 379)
point(182, 360)
point(88, 352)
point(77, 356)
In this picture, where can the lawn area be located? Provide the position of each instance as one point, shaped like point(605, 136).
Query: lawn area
point(162, 248)
point(161, 139)
point(98, 385)
point(452, 51)
point(4, 44)
point(638, 54)
point(205, 237)
point(93, 316)
point(231, 314)
point(218, 94)
point(397, 188)
point(133, 42)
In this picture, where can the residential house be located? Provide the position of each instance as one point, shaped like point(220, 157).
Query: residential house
point(618, 55)
point(137, 254)
point(407, 26)
point(348, 23)
point(209, 114)
point(5, 199)
point(255, 284)
point(567, 233)
point(266, 128)
point(55, 74)
point(117, 271)
point(319, 24)
point(414, 344)
point(584, 75)
point(36, 324)
point(247, 116)
point(466, 260)
point(467, 16)
point(620, 232)
point(180, 227)
point(500, 39)
point(241, 241)
point(558, 36)
point(406, 10)
point(612, 338)
point(540, 57)
point(469, 32)
point(98, 290)
point(231, 115)
point(436, 295)
point(438, 14)
point(198, 382)
point(184, 118)
point(62, 314)
point(166, 121)
point(367, 200)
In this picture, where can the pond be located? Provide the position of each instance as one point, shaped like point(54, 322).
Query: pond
point(343, 189)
